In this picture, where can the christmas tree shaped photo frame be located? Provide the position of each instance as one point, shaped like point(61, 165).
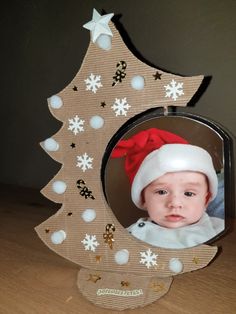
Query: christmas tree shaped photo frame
point(112, 98)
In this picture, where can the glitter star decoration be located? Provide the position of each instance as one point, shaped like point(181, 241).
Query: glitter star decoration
point(124, 283)
point(94, 278)
point(156, 286)
point(196, 260)
point(98, 258)
point(99, 25)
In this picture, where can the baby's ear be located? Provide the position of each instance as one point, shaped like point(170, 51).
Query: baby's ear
point(142, 198)
point(208, 196)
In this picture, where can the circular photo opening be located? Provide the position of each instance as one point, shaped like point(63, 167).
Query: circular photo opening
point(164, 181)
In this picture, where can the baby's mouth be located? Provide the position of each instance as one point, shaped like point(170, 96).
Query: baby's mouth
point(174, 218)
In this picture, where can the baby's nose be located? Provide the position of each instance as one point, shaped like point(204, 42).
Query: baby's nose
point(175, 202)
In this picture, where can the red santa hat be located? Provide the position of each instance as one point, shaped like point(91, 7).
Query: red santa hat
point(151, 153)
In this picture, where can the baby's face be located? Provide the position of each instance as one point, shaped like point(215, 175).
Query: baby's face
point(177, 199)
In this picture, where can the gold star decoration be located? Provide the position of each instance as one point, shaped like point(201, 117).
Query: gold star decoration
point(196, 260)
point(157, 286)
point(98, 258)
point(157, 75)
point(94, 278)
point(124, 283)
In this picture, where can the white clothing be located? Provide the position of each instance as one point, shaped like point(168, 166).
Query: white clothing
point(177, 238)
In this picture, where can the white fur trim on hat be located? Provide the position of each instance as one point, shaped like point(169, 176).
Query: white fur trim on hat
point(172, 158)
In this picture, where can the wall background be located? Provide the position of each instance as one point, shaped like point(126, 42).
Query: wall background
point(43, 45)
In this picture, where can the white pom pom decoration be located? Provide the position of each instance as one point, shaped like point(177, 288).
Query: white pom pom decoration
point(96, 122)
point(122, 257)
point(137, 82)
point(88, 215)
point(59, 187)
point(175, 265)
point(58, 237)
point(104, 42)
point(55, 102)
point(51, 145)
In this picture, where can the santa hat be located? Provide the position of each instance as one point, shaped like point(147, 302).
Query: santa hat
point(152, 153)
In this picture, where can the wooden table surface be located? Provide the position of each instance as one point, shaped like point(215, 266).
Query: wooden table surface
point(33, 279)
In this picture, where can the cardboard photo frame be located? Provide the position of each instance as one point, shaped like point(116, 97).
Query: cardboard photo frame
point(117, 271)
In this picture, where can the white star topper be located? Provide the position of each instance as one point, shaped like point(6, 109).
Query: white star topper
point(99, 25)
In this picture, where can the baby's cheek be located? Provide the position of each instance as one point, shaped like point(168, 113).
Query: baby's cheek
point(197, 214)
point(156, 214)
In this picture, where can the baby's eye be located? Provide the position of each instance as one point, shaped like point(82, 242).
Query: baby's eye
point(189, 194)
point(161, 192)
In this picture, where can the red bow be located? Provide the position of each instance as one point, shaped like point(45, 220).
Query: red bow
point(136, 148)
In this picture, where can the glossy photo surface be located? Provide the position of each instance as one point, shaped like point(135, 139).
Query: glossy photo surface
point(176, 200)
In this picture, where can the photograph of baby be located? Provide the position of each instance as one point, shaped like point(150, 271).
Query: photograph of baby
point(174, 183)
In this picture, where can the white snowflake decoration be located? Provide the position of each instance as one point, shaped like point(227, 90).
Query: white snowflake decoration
point(90, 242)
point(93, 82)
point(148, 258)
point(174, 90)
point(76, 125)
point(120, 107)
point(84, 162)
